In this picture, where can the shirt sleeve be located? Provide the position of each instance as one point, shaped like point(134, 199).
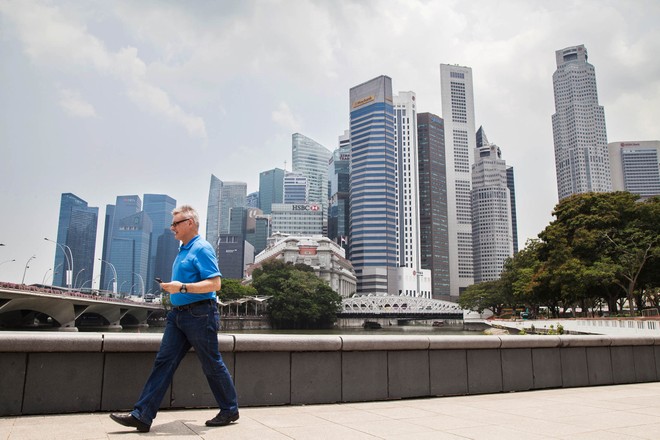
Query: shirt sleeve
point(207, 263)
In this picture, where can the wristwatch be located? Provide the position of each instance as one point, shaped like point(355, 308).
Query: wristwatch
point(183, 289)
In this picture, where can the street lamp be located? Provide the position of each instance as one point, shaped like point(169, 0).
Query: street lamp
point(64, 247)
point(26, 267)
point(7, 261)
point(114, 282)
point(46, 274)
point(141, 282)
point(76, 280)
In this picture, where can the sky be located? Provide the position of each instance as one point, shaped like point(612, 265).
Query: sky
point(102, 98)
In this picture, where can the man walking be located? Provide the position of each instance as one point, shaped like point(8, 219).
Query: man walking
point(192, 322)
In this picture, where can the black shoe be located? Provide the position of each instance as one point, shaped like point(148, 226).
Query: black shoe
point(129, 420)
point(223, 418)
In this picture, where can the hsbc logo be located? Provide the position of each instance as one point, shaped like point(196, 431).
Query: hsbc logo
point(305, 207)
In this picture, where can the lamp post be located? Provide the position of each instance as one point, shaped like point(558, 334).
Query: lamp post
point(44, 280)
point(76, 280)
point(64, 247)
point(114, 282)
point(141, 282)
point(26, 267)
point(7, 261)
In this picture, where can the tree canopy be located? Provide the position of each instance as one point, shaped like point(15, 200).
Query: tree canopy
point(601, 248)
point(299, 298)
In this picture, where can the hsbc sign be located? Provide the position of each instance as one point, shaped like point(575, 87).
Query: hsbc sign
point(305, 207)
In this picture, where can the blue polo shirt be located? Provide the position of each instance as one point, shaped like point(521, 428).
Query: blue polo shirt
point(196, 262)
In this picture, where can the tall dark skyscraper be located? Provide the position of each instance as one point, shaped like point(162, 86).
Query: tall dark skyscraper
point(161, 251)
point(578, 126)
point(76, 231)
point(373, 201)
point(434, 238)
point(338, 191)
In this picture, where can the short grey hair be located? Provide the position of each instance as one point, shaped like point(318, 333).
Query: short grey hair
point(188, 211)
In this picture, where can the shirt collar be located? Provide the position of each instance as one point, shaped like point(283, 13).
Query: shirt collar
point(190, 243)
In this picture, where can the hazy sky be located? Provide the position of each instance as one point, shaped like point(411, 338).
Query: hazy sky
point(107, 98)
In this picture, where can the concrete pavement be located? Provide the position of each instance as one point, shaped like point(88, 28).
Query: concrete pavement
point(608, 412)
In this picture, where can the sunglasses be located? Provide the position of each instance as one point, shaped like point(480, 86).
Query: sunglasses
point(175, 224)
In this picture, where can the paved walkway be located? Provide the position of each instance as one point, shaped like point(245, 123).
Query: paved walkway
point(602, 413)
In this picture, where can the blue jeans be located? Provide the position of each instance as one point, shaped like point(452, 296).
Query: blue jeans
point(196, 327)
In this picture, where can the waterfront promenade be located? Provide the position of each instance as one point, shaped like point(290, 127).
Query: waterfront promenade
point(608, 412)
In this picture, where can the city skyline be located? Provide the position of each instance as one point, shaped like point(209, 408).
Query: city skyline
point(102, 99)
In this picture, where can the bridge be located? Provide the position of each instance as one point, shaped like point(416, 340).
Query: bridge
point(399, 307)
point(24, 306)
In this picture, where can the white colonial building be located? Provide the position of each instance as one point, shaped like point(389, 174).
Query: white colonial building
point(326, 257)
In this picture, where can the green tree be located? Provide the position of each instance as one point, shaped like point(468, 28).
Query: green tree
point(482, 296)
point(299, 299)
point(597, 242)
point(233, 289)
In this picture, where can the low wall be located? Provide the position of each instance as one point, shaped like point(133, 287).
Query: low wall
point(81, 372)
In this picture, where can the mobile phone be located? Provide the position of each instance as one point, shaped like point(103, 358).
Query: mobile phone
point(158, 280)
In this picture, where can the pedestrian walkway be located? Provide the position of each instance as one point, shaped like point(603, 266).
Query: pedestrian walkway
point(609, 412)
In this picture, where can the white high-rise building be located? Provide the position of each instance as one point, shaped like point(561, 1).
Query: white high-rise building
point(408, 245)
point(460, 145)
point(492, 229)
point(578, 126)
point(636, 167)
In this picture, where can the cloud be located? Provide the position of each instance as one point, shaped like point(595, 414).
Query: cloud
point(284, 117)
point(75, 105)
point(54, 39)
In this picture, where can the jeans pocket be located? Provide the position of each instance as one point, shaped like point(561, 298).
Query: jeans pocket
point(200, 311)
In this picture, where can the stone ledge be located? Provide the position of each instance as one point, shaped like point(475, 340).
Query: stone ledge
point(261, 342)
point(50, 342)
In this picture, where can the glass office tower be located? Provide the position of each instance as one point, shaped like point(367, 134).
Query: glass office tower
point(76, 235)
point(222, 197)
point(271, 189)
point(373, 202)
point(162, 253)
point(311, 160)
point(434, 244)
point(338, 191)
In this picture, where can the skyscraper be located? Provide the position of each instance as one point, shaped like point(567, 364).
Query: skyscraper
point(510, 183)
point(405, 137)
point(161, 252)
point(407, 278)
point(124, 206)
point(126, 247)
point(578, 126)
point(434, 245)
point(373, 203)
point(271, 188)
point(76, 231)
point(129, 252)
point(636, 167)
point(296, 188)
point(492, 230)
point(338, 190)
point(310, 159)
point(460, 144)
point(222, 197)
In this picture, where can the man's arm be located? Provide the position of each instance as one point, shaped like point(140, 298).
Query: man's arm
point(204, 286)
